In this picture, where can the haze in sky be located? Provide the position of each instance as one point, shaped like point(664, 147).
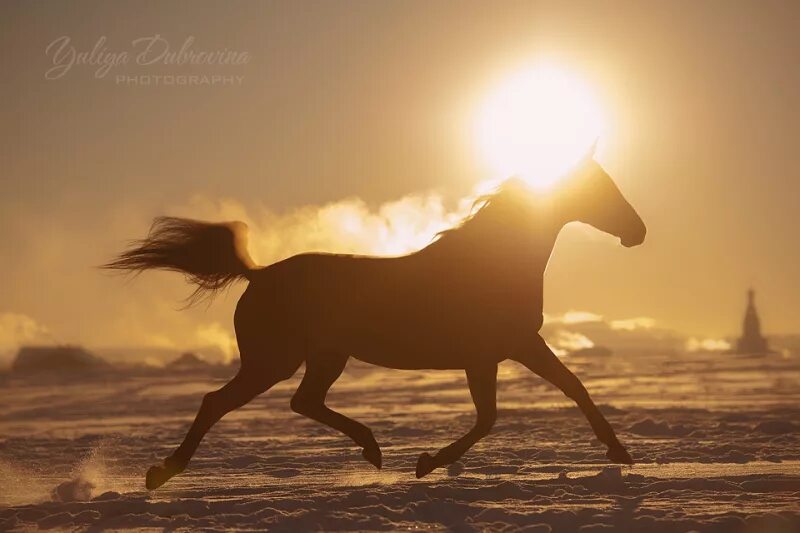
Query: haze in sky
point(352, 130)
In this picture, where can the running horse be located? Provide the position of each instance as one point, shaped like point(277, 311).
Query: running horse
point(469, 300)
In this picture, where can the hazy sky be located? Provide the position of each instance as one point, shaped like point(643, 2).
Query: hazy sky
point(372, 102)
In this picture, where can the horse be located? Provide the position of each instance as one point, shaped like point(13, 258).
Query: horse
point(469, 300)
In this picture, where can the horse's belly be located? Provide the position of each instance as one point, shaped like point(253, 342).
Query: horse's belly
point(422, 341)
point(421, 355)
point(402, 361)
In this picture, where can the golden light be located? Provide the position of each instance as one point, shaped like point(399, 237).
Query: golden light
point(538, 123)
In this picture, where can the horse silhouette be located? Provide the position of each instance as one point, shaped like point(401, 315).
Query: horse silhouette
point(469, 300)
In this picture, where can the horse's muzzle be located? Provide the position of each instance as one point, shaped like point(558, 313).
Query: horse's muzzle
point(635, 236)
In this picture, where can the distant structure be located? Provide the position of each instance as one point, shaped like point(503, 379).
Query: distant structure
point(751, 341)
point(188, 361)
point(56, 359)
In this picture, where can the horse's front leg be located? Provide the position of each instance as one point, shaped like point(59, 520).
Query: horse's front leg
point(482, 386)
point(540, 359)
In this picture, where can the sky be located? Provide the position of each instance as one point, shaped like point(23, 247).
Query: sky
point(348, 126)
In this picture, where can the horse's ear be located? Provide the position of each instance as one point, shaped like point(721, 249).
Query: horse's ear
point(588, 156)
point(592, 149)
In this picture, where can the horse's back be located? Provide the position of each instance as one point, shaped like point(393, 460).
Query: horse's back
point(396, 312)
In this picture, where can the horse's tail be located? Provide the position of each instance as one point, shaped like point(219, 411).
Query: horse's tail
point(210, 255)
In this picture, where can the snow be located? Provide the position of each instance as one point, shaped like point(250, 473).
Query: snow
point(715, 438)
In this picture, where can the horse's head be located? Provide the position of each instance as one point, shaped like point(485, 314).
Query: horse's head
point(596, 200)
point(585, 194)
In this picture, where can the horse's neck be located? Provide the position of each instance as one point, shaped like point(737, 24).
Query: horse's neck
point(498, 246)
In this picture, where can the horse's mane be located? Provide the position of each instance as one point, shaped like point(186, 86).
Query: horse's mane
point(482, 205)
point(478, 205)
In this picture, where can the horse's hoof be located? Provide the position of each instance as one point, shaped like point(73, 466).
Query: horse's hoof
point(158, 475)
point(425, 465)
point(373, 455)
point(619, 455)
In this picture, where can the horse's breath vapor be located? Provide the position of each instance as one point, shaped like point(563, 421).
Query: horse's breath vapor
point(347, 226)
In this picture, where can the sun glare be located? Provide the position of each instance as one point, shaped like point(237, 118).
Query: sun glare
point(537, 123)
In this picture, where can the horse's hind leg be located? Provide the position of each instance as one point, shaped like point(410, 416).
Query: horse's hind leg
point(309, 400)
point(482, 386)
point(249, 382)
point(542, 361)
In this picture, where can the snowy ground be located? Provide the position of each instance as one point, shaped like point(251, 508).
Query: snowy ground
point(716, 439)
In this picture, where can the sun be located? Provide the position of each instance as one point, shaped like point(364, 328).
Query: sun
point(537, 123)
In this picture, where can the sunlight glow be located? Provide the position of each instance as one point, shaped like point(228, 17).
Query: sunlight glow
point(707, 345)
point(538, 123)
